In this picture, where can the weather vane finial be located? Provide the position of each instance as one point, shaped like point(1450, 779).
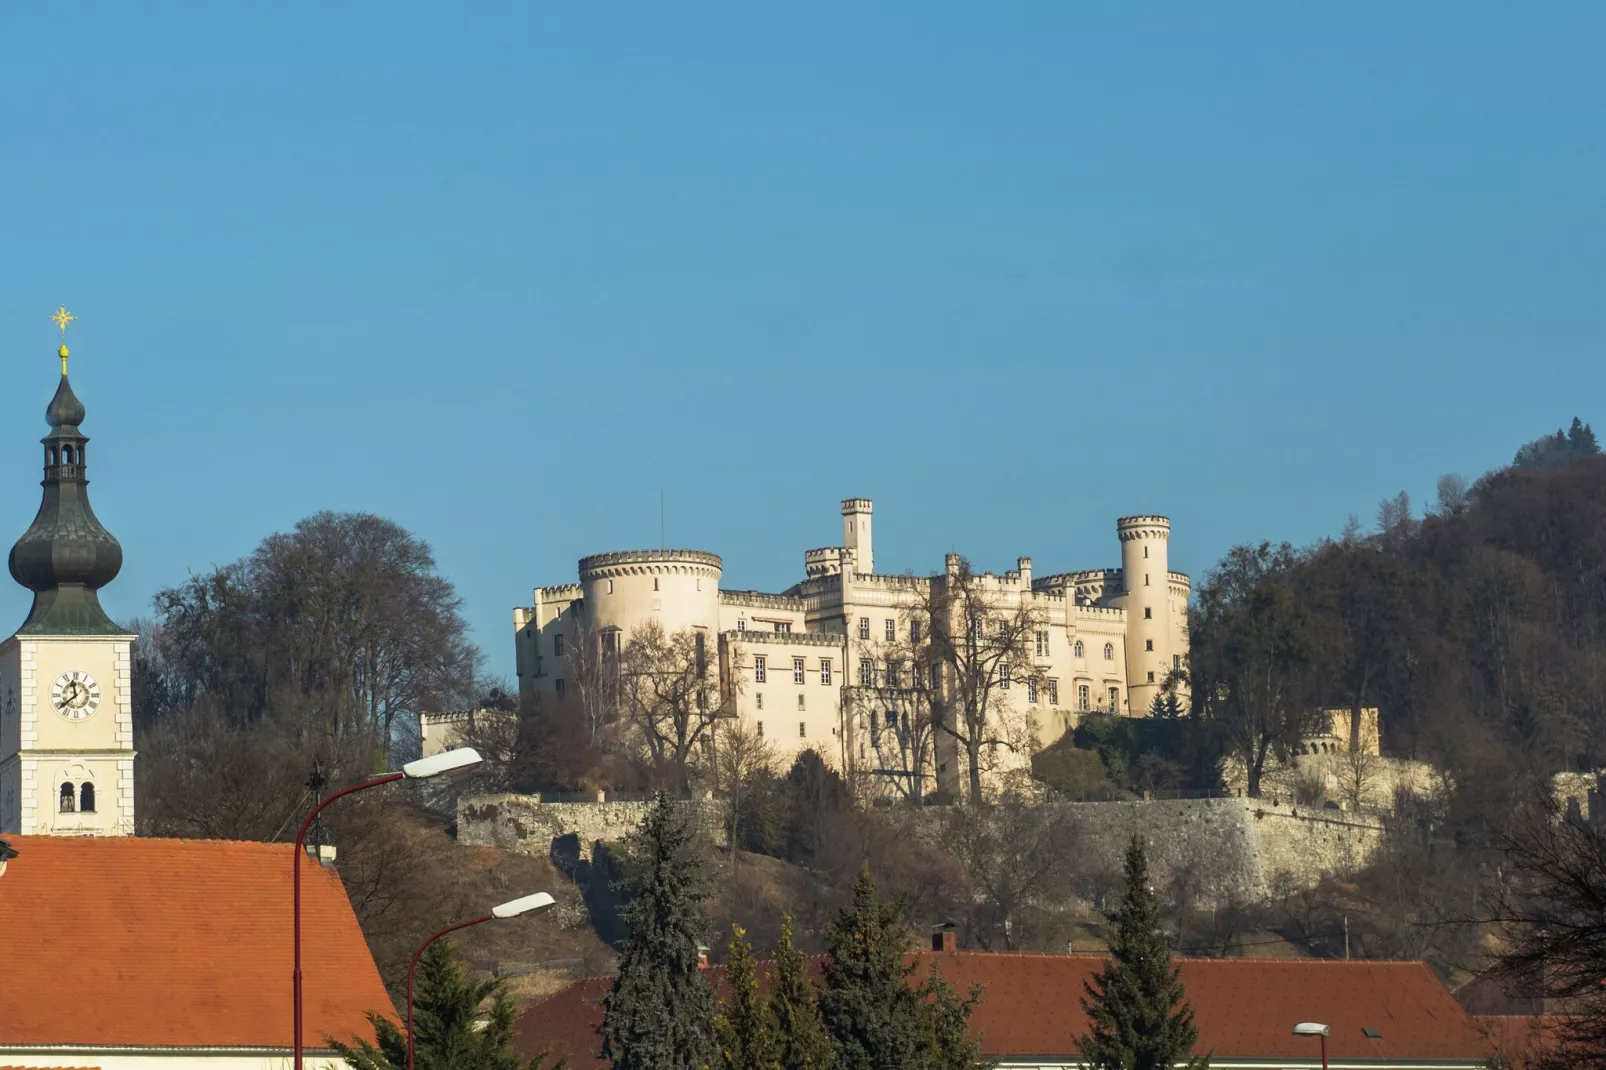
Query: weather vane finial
point(61, 319)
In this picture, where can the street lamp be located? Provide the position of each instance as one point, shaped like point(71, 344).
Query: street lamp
point(444, 762)
point(1314, 1029)
point(530, 904)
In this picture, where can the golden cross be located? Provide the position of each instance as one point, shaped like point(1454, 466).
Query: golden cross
point(61, 319)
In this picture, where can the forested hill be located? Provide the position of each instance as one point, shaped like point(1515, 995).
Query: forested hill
point(1478, 629)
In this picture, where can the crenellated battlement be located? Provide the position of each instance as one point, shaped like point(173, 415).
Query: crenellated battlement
point(761, 600)
point(561, 590)
point(648, 561)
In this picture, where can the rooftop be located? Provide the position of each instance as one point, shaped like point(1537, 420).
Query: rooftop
point(1245, 1008)
point(157, 943)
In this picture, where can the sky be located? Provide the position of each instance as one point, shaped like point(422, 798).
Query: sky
point(504, 272)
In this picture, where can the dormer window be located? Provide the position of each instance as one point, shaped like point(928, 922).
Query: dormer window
point(68, 799)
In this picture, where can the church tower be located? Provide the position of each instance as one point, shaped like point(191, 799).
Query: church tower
point(66, 715)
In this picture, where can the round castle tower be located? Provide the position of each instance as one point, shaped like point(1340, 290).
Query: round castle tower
point(680, 588)
point(1144, 571)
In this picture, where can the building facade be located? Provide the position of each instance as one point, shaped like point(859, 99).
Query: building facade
point(825, 665)
point(66, 711)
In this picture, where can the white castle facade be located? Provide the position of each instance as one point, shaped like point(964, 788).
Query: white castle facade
point(807, 668)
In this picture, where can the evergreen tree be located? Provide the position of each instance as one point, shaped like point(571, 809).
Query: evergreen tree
point(447, 1012)
point(802, 1043)
point(1139, 1016)
point(869, 1008)
point(659, 1013)
point(745, 1027)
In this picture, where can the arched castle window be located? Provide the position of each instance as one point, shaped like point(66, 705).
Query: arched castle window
point(1109, 651)
point(53, 456)
point(67, 800)
point(86, 798)
point(1078, 648)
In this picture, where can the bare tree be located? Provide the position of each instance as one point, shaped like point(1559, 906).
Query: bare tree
point(668, 693)
point(744, 777)
point(1017, 853)
point(1358, 772)
point(967, 641)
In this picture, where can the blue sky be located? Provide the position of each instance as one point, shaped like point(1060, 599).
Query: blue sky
point(501, 272)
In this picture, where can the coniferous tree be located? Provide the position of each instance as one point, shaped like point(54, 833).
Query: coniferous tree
point(659, 1013)
point(1139, 1016)
point(451, 1029)
point(745, 1026)
point(873, 1013)
point(868, 1007)
point(801, 1040)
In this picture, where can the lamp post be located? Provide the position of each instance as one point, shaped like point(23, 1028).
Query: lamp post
point(1314, 1029)
point(530, 904)
point(445, 762)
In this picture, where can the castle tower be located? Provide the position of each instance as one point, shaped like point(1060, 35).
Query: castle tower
point(1144, 568)
point(856, 535)
point(66, 716)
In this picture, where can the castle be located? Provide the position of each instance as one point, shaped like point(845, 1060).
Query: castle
point(808, 668)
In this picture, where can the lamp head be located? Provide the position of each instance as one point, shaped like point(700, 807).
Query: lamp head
point(1310, 1029)
point(530, 904)
point(444, 762)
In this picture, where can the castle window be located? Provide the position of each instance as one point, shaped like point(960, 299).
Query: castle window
point(1115, 699)
point(936, 675)
point(914, 631)
point(797, 671)
point(1003, 677)
point(610, 586)
point(758, 700)
point(783, 625)
point(894, 673)
point(1148, 644)
point(66, 455)
point(866, 673)
point(892, 630)
point(557, 685)
point(864, 627)
point(1145, 553)
point(557, 645)
point(1077, 649)
point(802, 730)
point(1053, 692)
point(1084, 697)
point(825, 671)
point(800, 702)
point(1145, 579)
point(1031, 692)
point(67, 799)
point(1151, 678)
point(52, 455)
point(758, 670)
point(761, 730)
point(655, 583)
point(1148, 613)
point(741, 625)
point(1176, 661)
point(1109, 651)
point(875, 722)
point(86, 799)
point(1042, 644)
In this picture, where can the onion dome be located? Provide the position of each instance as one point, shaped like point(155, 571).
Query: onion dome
point(66, 556)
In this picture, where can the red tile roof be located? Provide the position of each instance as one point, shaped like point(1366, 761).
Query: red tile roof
point(1245, 1008)
point(129, 941)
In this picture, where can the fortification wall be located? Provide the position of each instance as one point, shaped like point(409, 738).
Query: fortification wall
point(563, 831)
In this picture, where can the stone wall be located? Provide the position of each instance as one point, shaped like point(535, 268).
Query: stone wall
point(1214, 851)
point(564, 831)
point(1337, 777)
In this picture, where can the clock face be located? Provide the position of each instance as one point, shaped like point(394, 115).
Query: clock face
point(75, 695)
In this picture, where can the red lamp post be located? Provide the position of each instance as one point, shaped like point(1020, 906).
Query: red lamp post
point(434, 765)
point(1314, 1029)
point(529, 904)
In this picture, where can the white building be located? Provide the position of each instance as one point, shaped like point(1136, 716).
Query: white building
point(807, 667)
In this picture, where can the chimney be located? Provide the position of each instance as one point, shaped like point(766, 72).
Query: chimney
point(943, 937)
